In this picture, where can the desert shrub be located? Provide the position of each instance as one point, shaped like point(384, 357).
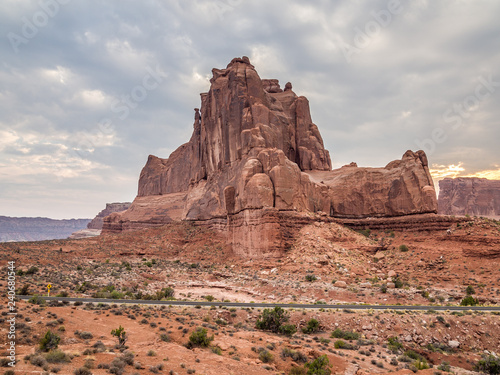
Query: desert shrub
point(383, 288)
point(38, 360)
point(85, 335)
point(398, 283)
point(470, 290)
point(320, 366)
point(57, 356)
point(168, 292)
point(209, 298)
point(32, 270)
point(216, 350)
point(165, 337)
point(346, 335)
point(49, 341)
point(488, 364)
point(265, 356)
point(272, 320)
point(469, 301)
point(295, 355)
point(128, 358)
point(341, 344)
point(298, 371)
point(36, 299)
point(310, 277)
point(403, 248)
point(312, 326)
point(421, 364)
point(82, 371)
point(24, 291)
point(199, 338)
point(394, 345)
point(444, 366)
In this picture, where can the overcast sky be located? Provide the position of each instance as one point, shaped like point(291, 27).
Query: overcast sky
point(88, 89)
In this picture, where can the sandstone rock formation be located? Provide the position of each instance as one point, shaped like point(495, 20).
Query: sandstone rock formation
point(255, 152)
point(97, 221)
point(472, 196)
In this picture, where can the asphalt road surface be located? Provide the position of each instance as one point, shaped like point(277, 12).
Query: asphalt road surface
point(268, 305)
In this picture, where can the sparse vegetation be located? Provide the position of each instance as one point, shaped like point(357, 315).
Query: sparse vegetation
point(346, 335)
point(403, 248)
point(489, 364)
point(312, 326)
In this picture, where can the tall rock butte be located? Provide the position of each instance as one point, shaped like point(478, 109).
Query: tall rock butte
point(469, 195)
point(254, 153)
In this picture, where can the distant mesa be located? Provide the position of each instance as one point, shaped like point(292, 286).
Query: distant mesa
point(254, 157)
point(469, 196)
point(94, 227)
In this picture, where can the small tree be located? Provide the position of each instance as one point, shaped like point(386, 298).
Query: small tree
point(312, 326)
point(272, 320)
point(320, 366)
point(469, 301)
point(120, 334)
point(489, 364)
point(49, 341)
point(470, 290)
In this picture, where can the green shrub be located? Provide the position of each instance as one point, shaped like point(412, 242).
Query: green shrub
point(310, 277)
point(470, 290)
point(403, 248)
point(394, 345)
point(489, 364)
point(36, 299)
point(265, 356)
point(346, 335)
point(469, 301)
point(272, 320)
point(288, 329)
point(320, 366)
point(341, 344)
point(49, 342)
point(199, 338)
point(57, 356)
point(312, 326)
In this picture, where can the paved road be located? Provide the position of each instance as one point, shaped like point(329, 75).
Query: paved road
point(284, 305)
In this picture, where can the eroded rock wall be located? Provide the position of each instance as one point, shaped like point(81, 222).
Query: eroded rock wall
point(472, 196)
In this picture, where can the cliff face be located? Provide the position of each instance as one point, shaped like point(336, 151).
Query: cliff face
point(472, 196)
point(37, 228)
point(255, 147)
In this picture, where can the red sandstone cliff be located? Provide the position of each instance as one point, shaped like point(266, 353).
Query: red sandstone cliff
point(472, 196)
point(254, 147)
point(97, 221)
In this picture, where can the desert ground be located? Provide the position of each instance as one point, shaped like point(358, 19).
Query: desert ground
point(328, 263)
